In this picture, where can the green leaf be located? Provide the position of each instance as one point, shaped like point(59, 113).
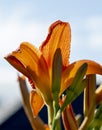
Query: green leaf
point(76, 87)
point(56, 71)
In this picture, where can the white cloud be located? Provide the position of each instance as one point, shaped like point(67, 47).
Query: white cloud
point(13, 33)
point(87, 39)
point(94, 22)
point(94, 26)
point(96, 41)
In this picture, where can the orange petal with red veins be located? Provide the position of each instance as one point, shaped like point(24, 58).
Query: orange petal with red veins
point(70, 71)
point(36, 102)
point(59, 36)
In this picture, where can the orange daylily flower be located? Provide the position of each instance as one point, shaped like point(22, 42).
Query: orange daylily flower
point(36, 64)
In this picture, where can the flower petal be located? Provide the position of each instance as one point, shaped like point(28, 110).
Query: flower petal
point(59, 36)
point(36, 65)
point(36, 102)
point(28, 56)
point(17, 64)
point(42, 84)
point(70, 71)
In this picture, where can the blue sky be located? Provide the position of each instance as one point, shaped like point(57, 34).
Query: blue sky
point(28, 20)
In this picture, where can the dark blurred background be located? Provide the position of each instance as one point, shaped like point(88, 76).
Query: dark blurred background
point(19, 121)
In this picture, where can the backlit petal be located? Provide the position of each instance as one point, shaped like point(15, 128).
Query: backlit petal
point(42, 84)
point(17, 64)
point(70, 71)
point(59, 36)
point(28, 56)
point(36, 102)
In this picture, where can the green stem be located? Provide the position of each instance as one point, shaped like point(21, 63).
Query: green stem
point(56, 120)
point(53, 120)
point(50, 113)
point(56, 124)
